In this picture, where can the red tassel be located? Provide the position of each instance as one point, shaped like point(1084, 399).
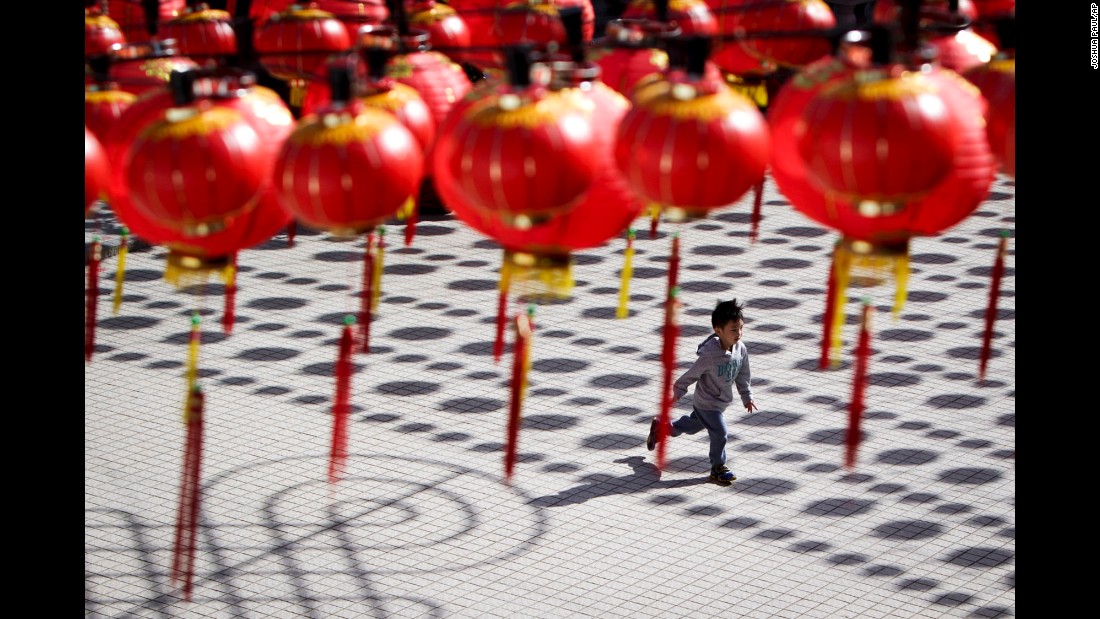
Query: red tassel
point(991, 309)
point(229, 316)
point(827, 318)
point(410, 224)
point(92, 301)
point(757, 199)
point(367, 294)
point(521, 358)
point(674, 263)
point(859, 385)
point(670, 333)
point(341, 407)
point(291, 232)
point(187, 518)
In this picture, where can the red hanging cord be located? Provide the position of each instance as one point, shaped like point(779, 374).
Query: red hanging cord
point(758, 197)
point(92, 299)
point(187, 517)
point(291, 232)
point(827, 317)
point(367, 294)
point(991, 309)
point(670, 333)
point(521, 363)
point(654, 217)
point(229, 315)
point(341, 407)
point(859, 385)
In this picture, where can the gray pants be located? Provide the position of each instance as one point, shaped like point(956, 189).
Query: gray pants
point(715, 425)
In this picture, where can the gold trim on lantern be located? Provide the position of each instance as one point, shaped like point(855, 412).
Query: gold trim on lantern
point(183, 270)
point(392, 99)
point(868, 264)
point(664, 100)
point(538, 276)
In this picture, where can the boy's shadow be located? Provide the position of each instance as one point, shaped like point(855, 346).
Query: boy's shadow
point(643, 478)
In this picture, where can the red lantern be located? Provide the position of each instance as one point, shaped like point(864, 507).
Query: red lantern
point(480, 17)
point(996, 80)
point(523, 155)
point(877, 139)
point(691, 144)
point(192, 255)
point(789, 16)
point(530, 21)
point(97, 171)
point(203, 33)
point(294, 45)
point(730, 54)
point(445, 27)
point(356, 13)
point(103, 105)
point(630, 52)
point(875, 235)
point(605, 210)
point(100, 32)
point(131, 18)
point(693, 16)
point(142, 66)
point(347, 168)
point(196, 168)
point(963, 50)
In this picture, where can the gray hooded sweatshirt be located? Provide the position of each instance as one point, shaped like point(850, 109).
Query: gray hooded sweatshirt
point(716, 370)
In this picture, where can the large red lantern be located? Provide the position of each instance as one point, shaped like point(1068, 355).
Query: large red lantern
point(348, 167)
point(691, 144)
point(97, 172)
point(877, 138)
point(192, 255)
point(875, 232)
point(196, 167)
point(787, 16)
point(523, 155)
point(100, 32)
point(888, 11)
point(202, 33)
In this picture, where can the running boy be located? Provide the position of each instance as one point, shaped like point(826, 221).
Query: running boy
point(723, 362)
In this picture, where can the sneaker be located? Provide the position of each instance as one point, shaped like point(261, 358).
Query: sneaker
point(651, 440)
point(722, 473)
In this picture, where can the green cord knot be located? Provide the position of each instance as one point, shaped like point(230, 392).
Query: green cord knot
point(530, 310)
point(349, 320)
point(674, 292)
point(630, 234)
point(195, 319)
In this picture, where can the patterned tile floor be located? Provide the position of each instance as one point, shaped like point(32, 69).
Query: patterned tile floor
point(424, 526)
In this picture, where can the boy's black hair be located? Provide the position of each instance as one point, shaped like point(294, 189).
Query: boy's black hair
point(726, 311)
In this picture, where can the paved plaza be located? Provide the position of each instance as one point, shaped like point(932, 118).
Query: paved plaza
point(424, 525)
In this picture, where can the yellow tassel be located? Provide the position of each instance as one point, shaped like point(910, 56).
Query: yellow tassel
point(843, 261)
point(406, 209)
point(538, 277)
point(376, 280)
point(901, 279)
point(297, 92)
point(120, 272)
point(193, 355)
point(628, 270)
